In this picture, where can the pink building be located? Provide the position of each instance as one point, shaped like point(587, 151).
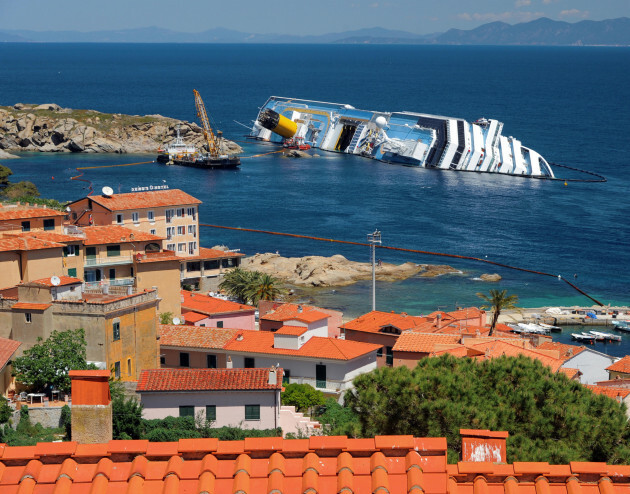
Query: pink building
point(274, 315)
point(245, 398)
point(212, 312)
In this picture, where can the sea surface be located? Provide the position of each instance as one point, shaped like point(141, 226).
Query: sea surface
point(570, 104)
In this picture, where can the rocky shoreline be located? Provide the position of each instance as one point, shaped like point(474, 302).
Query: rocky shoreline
point(51, 128)
point(318, 271)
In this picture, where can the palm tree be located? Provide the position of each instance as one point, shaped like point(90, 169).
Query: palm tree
point(264, 287)
point(497, 301)
point(236, 283)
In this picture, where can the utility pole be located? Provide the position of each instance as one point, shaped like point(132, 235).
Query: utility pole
point(373, 239)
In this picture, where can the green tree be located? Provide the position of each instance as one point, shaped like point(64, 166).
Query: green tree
point(338, 420)
point(166, 318)
point(237, 282)
point(5, 410)
point(302, 396)
point(48, 362)
point(5, 173)
point(263, 287)
point(126, 418)
point(549, 417)
point(497, 301)
point(20, 190)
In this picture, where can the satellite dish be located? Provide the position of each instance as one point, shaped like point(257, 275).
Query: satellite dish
point(176, 320)
point(55, 281)
point(107, 191)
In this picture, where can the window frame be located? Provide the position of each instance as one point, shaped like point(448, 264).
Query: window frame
point(26, 226)
point(181, 230)
point(120, 218)
point(151, 216)
point(211, 358)
point(135, 217)
point(117, 369)
point(184, 411)
point(252, 412)
point(116, 331)
point(28, 317)
point(212, 416)
point(47, 224)
point(169, 215)
point(183, 359)
point(249, 363)
point(113, 250)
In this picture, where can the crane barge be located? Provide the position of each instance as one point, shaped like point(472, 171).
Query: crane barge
point(213, 158)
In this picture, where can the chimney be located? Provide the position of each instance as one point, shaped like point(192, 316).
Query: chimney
point(91, 406)
point(273, 380)
point(483, 445)
point(299, 309)
point(229, 364)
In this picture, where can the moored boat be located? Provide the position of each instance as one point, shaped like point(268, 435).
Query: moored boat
point(177, 149)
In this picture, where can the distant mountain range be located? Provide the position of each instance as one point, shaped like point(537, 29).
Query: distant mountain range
point(541, 31)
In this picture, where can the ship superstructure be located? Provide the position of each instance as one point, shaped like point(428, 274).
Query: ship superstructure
point(407, 138)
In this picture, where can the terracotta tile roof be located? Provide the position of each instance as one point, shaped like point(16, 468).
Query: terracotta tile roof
point(292, 330)
point(205, 253)
point(261, 342)
point(325, 464)
point(610, 391)
point(207, 380)
point(29, 306)
point(466, 313)
point(194, 316)
point(144, 200)
point(63, 280)
point(7, 349)
point(10, 293)
point(565, 350)
point(113, 234)
point(456, 351)
point(24, 213)
point(622, 366)
point(165, 255)
point(619, 382)
point(500, 348)
point(288, 312)
point(44, 235)
point(423, 343)
point(195, 336)
point(21, 243)
point(569, 372)
point(374, 321)
point(204, 304)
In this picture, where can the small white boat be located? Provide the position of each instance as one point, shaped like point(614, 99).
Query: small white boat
point(606, 336)
point(583, 337)
point(621, 325)
point(550, 327)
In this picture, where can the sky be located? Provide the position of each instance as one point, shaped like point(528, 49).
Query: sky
point(294, 17)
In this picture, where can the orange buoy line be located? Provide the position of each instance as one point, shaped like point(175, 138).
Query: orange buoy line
point(263, 154)
point(402, 249)
point(78, 178)
point(111, 166)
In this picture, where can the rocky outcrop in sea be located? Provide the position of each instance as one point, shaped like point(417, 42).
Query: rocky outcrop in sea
point(318, 271)
point(51, 128)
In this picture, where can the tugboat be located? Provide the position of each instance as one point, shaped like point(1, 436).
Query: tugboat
point(177, 149)
point(296, 143)
point(213, 159)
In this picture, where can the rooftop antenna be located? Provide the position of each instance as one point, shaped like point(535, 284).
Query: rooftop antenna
point(107, 191)
point(55, 281)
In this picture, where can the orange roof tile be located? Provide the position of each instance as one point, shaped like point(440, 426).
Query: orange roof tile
point(622, 366)
point(619, 382)
point(24, 212)
point(195, 336)
point(45, 235)
point(7, 349)
point(297, 312)
point(374, 321)
point(392, 464)
point(569, 372)
point(21, 243)
point(292, 330)
point(207, 379)
point(63, 280)
point(423, 343)
point(466, 313)
point(205, 253)
point(204, 304)
point(194, 317)
point(500, 348)
point(113, 234)
point(144, 200)
point(610, 391)
point(565, 350)
point(317, 347)
point(29, 306)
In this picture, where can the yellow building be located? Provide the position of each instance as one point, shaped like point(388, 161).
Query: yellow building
point(26, 218)
point(120, 327)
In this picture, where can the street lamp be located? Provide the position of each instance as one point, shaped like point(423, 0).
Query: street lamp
point(373, 239)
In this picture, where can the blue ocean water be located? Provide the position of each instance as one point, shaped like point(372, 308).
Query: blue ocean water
point(570, 104)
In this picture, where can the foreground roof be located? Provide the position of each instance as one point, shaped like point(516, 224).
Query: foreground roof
point(113, 234)
point(297, 312)
point(63, 280)
point(143, 200)
point(565, 350)
point(423, 343)
point(207, 380)
point(319, 464)
point(7, 349)
point(23, 212)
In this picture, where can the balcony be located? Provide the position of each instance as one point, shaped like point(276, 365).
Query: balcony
point(108, 261)
point(122, 282)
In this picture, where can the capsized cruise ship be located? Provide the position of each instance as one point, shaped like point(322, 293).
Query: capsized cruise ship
point(414, 139)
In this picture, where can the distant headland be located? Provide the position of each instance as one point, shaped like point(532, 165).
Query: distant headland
point(541, 32)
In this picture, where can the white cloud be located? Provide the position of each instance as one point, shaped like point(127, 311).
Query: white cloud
point(583, 14)
point(522, 3)
point(501, 16)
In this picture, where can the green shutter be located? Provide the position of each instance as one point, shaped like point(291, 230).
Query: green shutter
point(252, 412)
point(187, 411)
point(211, 412)
point(72, 272)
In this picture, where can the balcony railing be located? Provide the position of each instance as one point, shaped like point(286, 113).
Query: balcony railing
point(327, 386)
point(122, 282)
point(108, 261)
